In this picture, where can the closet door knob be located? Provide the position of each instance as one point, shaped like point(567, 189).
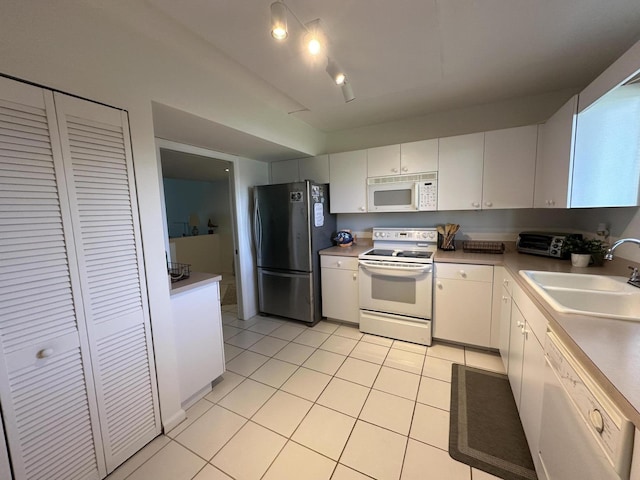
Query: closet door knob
point(44, 353)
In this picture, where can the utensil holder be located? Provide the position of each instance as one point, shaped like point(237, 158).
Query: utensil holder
point(447, 242)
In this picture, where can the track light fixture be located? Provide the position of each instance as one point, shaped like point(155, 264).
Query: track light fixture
point(315, 42)
point(279, 21)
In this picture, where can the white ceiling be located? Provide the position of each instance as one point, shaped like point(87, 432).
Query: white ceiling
point(408, 58)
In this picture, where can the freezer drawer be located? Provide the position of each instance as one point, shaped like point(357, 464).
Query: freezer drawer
point(286, 294)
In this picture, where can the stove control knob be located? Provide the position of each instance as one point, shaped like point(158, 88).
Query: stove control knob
point(377, 234)
point(424, 234)
point(432, 235)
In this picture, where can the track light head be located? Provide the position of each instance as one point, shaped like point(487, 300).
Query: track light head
point(279, 20)
point(335, 72)
point(347, 91)
point(314, 39)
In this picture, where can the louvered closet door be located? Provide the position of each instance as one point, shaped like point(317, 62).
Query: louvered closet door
point(46, 392)
point(99, 170)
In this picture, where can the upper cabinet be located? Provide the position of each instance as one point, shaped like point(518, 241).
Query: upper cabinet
point(383, 161)
point(509, 167)
point(460, 172)
point(314, 168)
point(417, 157)
point(403, 159)
point(555, 154)
point(348, 185)
point(297, 170)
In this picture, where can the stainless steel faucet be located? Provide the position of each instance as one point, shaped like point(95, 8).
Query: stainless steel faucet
point(609, 254)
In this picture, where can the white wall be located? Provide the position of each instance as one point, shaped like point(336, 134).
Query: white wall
point(247, 175)
point(86, 48)
point(478, 118)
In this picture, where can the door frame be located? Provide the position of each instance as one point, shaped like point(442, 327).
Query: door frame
point(204, 152)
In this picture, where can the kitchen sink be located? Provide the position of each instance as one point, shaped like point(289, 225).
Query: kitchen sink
point(599, 295)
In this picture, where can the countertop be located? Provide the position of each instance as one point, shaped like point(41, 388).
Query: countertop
point(609, 349)
point(195, 280)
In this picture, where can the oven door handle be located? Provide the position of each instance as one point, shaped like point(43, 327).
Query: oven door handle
point(393, 271)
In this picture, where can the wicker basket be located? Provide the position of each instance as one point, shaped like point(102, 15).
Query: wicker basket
point(179, 271)
point(477, 246)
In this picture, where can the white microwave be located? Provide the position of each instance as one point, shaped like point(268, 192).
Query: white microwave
point(403, 193)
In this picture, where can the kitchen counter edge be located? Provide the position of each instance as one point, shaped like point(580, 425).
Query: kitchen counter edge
point(195, 280)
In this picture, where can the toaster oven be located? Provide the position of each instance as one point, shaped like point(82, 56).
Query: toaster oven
point(547, 244)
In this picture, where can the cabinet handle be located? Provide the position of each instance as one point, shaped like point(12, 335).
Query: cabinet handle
point(405, 169)
point(439, 285)
point(552, 202)
point(355, 276)
point(488, 204)
point(505, 282)
point(504, 299)
point(362, 209)
point(519, 324)
point(596, 420)
point(44, 353)
point(463, 274)
point(339, 263)
point(394, 170)
point(475, 204)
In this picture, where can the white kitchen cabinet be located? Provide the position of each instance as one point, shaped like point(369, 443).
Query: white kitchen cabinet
point(555, 158)
point(300, 169)
point(460, 164)
point(285, 171)
point(314, 168)
point(339, 277)
point(526, 364)
point(506, 285)
point(467, 321)
point(419, 157)
point(77, 378)
point(383, 161)
point(198, 335)
point(509, 167)
point(516, 352)
point(348, 181)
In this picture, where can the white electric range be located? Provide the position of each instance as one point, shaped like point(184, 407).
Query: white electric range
point(396, 284)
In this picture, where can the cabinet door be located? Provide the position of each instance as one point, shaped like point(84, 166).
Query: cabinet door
point(555, 158)
point(467, 321)
point(419, 157)
point(348, 186)
point(340, 294)
point(48, 401)
point(383, 161)
point(314, 168)
point(505, 326)
point(533, 366)
point(460, 172)
point(516, 352)
point(198, 333)
point(284, 171)
point(509, 167)
point(100, 182)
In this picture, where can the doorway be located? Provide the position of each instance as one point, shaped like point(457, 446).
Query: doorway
point(199, 221)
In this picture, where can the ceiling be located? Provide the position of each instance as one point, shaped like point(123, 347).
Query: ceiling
point(408, 58)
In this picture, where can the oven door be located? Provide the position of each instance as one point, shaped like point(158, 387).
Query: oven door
point(396, 287)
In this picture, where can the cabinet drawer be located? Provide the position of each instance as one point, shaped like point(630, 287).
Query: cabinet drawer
point(333, 261)
point(465, 271)
point(534, 317)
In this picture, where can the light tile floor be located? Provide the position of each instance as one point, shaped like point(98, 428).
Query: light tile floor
point(318, 403)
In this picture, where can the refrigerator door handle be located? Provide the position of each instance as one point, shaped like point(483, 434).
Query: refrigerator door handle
point(257, 227)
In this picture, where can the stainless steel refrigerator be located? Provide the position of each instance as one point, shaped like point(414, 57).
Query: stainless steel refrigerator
point(291, 224)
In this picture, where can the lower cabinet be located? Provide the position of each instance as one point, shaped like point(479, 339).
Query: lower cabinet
point(525, 360)
point(199, 345)
point(469, 320)
point(340, 288)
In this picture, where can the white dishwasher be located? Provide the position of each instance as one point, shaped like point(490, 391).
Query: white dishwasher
point(584, 435)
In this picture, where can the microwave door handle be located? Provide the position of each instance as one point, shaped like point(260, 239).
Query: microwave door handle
point(416, 196)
